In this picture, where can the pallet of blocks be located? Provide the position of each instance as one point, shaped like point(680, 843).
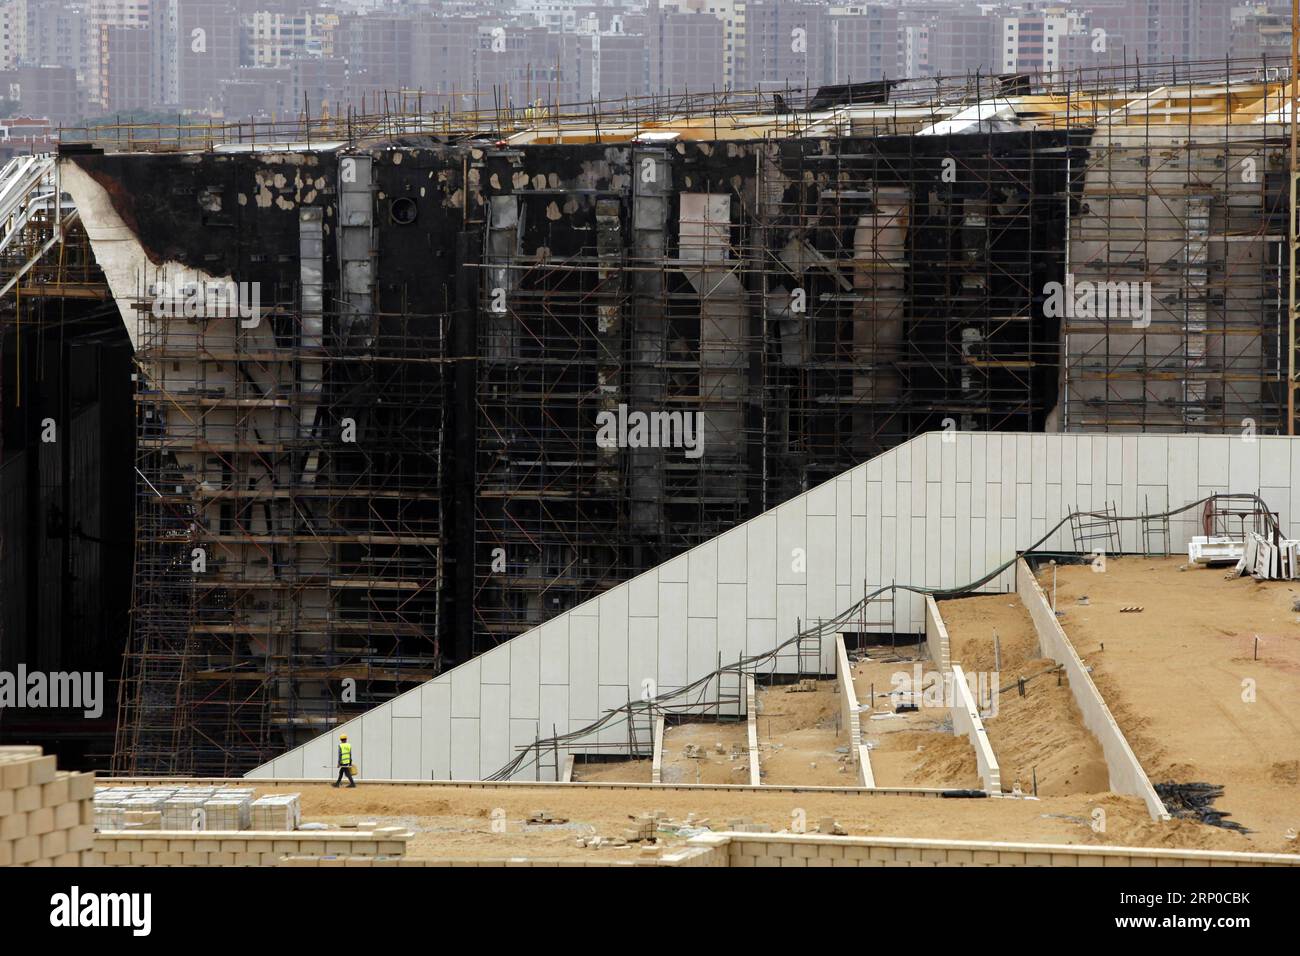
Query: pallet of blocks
point(277, 811)
point(173, 808)
point(230, 809)
point(45, 813)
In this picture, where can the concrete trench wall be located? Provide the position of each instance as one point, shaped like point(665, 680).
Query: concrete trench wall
point(657, 761)
point(966, 720)
point(751, 731)
point(1126, 773)
point(851, 714)
point(936, 637)
point(938, 511)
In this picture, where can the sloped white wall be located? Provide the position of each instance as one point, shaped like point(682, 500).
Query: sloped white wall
point(932, 512)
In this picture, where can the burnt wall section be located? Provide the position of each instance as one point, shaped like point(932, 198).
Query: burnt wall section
point(807, 303)
point(550, 507)
point(289, 521)
point(924, 258)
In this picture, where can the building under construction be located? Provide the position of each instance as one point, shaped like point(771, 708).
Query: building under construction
point(373, 354)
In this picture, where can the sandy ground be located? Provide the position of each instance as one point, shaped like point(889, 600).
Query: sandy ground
point(452, 822)
point(1181, 679)
point(612, 771)
point(731, 765)
point(800, 739)
point(1040, 734)
point(914, 748)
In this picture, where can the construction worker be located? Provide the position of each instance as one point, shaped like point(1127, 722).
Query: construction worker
point(345, 762)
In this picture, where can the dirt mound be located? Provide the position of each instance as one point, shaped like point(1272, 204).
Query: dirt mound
point(1040, 734)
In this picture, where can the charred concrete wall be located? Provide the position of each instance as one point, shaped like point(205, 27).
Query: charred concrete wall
point(813, 301)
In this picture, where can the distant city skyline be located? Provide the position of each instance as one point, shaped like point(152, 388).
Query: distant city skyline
point(236, 59)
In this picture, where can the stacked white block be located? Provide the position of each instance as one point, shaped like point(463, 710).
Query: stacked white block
point(173, 808)
point(45, 813)
point(1214, 549)
point(109, 818)
point(229, 812)
point(185, 811)
point(277, 811)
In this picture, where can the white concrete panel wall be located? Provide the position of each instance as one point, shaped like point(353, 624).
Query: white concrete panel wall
point(932, 513)
point(966, 720)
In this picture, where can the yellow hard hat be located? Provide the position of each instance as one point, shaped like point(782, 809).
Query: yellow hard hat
point(343, 736)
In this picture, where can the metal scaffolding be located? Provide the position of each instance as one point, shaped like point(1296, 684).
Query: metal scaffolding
point(278, 557)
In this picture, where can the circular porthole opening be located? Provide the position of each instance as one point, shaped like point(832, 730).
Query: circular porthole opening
point(402, 210)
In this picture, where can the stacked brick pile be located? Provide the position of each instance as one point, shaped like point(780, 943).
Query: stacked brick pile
point(45, 813)
point(277, 811)
point(173, 808)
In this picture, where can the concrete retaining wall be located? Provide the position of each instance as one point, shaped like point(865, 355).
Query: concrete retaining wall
point(805, 850)
point(851, 714)
point(46, 817)
point(966, 720)
point(774, 849)
point(1126, 773)
point(715, 853)
point(553, 785)
point(657, 761)
point(751, 727)
point(814, 849)
point(936, 637)
point(241, 847)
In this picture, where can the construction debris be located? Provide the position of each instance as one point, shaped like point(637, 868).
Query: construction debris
point(642, 829)
point(1277, 560)
point(1214, 549)
point(1192, 801)
point(544, 817)
point(744, 826)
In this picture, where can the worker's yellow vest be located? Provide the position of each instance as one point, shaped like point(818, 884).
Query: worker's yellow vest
point(345, 755)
